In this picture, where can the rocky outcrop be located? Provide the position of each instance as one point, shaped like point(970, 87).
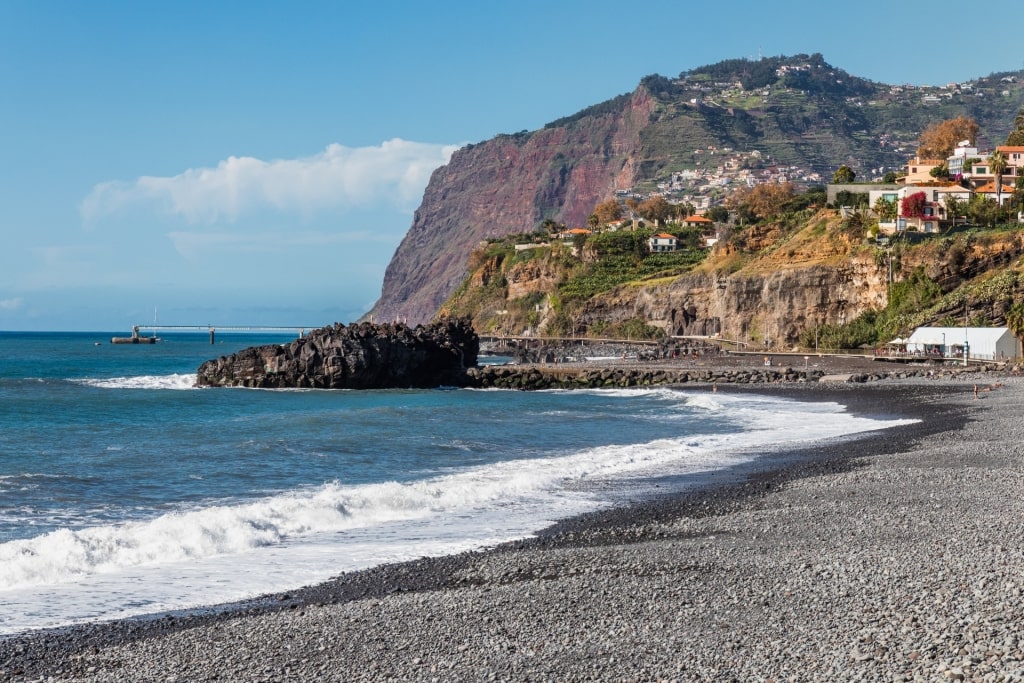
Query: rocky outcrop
point(361, 356)
point(508, 185)
point(749, 306)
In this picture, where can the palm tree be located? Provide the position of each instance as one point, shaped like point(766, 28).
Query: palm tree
point(1015, 320)
point(997, 162)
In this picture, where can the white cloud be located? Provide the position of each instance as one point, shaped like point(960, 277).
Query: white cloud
point(11, 304)
point(396, 172)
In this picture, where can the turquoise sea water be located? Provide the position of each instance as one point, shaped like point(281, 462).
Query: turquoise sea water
point(124, 490)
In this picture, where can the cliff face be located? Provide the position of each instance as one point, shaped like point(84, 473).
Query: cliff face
point(773, 306)
point(507, 185)
point(767, 284)
point(806, 119)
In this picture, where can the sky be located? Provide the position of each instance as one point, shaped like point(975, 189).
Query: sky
point(257, 163)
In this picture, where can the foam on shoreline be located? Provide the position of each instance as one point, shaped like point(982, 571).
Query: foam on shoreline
point(838, 485)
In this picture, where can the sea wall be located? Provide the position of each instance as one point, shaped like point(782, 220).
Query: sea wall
point(536, 378)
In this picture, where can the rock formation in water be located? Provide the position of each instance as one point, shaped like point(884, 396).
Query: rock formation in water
point(360, 356)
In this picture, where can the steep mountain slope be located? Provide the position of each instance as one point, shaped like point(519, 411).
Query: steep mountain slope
point(502, 186)
point(802, 114)
point(772, 285)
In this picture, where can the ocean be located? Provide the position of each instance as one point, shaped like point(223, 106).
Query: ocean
point(126, 491)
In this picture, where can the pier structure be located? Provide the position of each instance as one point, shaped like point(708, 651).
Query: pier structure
point(212, 329)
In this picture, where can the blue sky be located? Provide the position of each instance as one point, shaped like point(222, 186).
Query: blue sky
point(253, 162)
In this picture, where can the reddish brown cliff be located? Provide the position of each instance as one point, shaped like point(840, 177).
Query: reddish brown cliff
point(508, 185)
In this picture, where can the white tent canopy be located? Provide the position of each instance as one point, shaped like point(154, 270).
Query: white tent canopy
point(983, 343)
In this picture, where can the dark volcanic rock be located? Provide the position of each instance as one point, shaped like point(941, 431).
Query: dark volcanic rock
point(362, 356)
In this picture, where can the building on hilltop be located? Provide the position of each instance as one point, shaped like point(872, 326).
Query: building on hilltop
point(958, 164)
point(920, 170)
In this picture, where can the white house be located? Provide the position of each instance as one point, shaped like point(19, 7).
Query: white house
point(958, 161)
point(983, 343)
point(662, 242)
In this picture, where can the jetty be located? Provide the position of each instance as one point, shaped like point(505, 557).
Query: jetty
point(136, 338)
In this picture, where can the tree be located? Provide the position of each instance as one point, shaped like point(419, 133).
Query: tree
point(997, 162)
point(889, 177)
point(1015, 319)
point(954, 207)
point(593, 221)
point(939, 140)
point(1016, 137)
point(983, 211)
point(940, 171)
point(655, 208)
point(885, 210)
point(844, 174)
point(852, 199)
point(913, 205)
point(718, 214)
point(608, 211)
point(761, 201)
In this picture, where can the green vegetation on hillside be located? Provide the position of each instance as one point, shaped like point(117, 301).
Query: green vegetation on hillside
point(623, 257)
point(803, 112)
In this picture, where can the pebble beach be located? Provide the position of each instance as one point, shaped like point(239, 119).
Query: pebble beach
point(898, 556)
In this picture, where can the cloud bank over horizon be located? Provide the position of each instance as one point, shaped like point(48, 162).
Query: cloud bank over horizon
point(12, 304)
point(394, 173)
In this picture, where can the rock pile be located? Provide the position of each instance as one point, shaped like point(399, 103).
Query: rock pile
point(532, 377)
point(513, 377)
point(361, 356)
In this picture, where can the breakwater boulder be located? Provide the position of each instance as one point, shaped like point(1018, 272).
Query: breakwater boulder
point(529, 378)
point(555, 377)
point(360, 356)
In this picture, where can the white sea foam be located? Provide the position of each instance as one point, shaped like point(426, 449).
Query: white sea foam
point(176, 382)
point(227, 552)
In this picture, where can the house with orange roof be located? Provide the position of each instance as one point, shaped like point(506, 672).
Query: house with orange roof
point(696, 221)
point(990, 191)
point(662, 241)
point(573, 232)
